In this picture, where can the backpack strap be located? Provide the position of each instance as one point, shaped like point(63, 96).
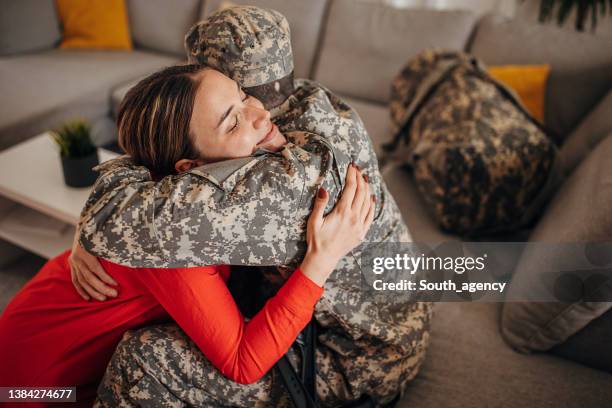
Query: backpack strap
point(301, 390)
point(427, 86)
point(294, 385)
point(307, 342)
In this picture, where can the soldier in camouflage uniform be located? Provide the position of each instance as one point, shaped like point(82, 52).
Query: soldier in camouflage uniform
point(253, 211)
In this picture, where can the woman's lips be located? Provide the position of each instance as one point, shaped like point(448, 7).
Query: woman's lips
point(269, 136)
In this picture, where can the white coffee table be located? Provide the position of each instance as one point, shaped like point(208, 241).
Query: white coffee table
point(38, 212)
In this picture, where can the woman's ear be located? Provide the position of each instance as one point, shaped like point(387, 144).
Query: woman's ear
point(184, 165)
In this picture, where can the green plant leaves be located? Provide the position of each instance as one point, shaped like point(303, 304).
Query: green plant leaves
point(73, 139)
point(584, 8)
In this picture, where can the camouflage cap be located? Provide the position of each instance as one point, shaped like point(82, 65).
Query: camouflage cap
point(249, 44)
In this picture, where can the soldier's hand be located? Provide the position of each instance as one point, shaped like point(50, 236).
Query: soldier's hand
point(88, 276)
point(331, 237)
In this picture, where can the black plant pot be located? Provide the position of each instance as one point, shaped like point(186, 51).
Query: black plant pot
point(78, 171)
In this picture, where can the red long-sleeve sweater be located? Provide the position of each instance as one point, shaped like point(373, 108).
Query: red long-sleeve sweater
point(50, 336)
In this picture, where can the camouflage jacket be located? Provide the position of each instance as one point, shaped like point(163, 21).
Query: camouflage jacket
point(253, 211)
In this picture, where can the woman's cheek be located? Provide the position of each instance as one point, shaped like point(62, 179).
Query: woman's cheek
point(248, 144)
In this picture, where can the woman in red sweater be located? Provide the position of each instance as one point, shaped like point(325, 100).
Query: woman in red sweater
point(50, 336)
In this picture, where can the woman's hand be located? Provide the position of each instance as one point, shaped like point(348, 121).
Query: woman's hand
point(88, 276)
point(330, 238)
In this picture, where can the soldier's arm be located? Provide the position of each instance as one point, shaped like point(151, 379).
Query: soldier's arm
point(189, 220)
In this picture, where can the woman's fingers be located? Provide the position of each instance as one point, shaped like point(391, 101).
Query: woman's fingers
point(90, 291)
point(77, 285)
point(360, 191)
point(365, 202)
point(81, 292)
point(370, 217)
point(93, 281)
point(320, 202)
point(94, 266)
point(365, 209)
point(90, 275)
point(350, 186)
point(89, 285)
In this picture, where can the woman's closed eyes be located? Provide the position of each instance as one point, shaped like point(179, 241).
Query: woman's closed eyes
point(237, 116)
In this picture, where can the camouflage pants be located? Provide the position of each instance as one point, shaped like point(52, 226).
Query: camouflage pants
point(159, 366)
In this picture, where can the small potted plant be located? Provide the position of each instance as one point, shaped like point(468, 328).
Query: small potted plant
point(77, 152)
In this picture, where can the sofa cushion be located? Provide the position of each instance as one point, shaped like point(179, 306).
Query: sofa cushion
point(41, 90)
point(305, 20)
point(28, 25)
point(421, 224)
point(375, 117)
point(590, 346)
point(529, 83)
point(581, 71)
point(469, 365)
point(118, 94)
point(161, 25)
point(366, 44)
point(95, 24)
point(591, 130)
point(580, 212)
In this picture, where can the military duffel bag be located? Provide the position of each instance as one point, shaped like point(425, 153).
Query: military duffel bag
point(483, 164)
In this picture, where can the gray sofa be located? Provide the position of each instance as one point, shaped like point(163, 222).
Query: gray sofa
point(355, 47)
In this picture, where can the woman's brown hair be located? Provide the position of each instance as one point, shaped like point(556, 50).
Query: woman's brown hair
point(154, 116)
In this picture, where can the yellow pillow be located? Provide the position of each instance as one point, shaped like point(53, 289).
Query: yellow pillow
point(528, 81)
point(94, 24)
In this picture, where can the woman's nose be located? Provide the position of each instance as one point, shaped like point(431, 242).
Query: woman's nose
point(261, 117)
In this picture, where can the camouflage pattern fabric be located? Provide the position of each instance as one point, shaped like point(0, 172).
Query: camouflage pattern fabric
point(481, 161)
point(253, 211)
point(249, 44)
point(159, 366)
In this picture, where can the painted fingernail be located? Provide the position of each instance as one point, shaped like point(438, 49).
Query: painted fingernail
point(322, 193)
